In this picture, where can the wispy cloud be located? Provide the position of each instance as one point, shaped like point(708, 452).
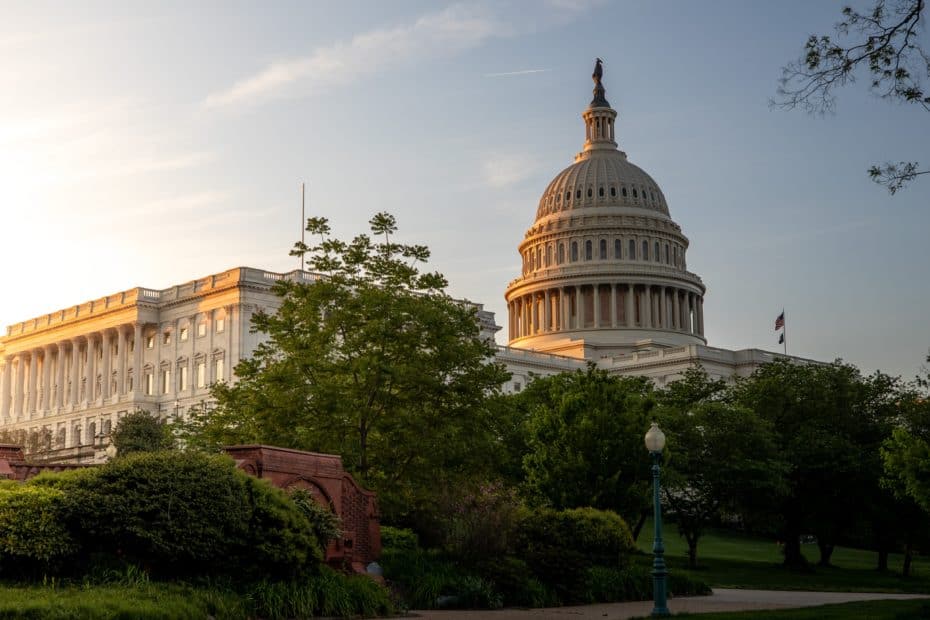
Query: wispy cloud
point(455, 28)
point(502, 170)
point(510, 73)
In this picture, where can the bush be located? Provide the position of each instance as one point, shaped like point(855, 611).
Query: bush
point(184, 514)
point(429, 580)
point(515, 581)
point(480, 523)
point(32, 532)
point(560, 547)
point(328, 594)
point(325, 523)
point(399, 538)
point(140, 431)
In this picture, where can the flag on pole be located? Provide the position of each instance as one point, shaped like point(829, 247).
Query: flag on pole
point(781, 338)
point(780, 321)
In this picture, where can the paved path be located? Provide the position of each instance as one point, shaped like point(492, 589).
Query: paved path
point(721, 600)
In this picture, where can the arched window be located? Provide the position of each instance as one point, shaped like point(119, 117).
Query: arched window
point(634, 193)
point(561, 253)
point(539, 263)
point(578, 194)
point(588, 250)
point(617, 248)
point(613, 191)
point(574, 251)
point(590, 192)
point(645, 250)
point(675, 255)
point(631, 253)
point(656, 255)
point(603, 249)
point(600, 192)
point(623, 191)
point(666, 254)
point(549, 254)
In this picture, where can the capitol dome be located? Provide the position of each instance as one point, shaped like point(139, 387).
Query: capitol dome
point(604, 268)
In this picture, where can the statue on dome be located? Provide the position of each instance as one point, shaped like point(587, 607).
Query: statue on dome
point(598, 71)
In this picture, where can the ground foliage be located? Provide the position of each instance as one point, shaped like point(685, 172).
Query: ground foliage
point(374, 362)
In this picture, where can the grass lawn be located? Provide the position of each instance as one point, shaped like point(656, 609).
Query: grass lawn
point(870, 610)
point(732, 560)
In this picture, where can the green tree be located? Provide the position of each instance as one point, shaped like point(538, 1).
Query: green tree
point(140, 431)
point(884, 42)
point(826, 418)
point(372, 361)
point(585, 442)
point(906, 453)
point(721, 458)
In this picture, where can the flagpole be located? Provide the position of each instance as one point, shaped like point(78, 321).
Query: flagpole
point(303, 223)
point(784, 332)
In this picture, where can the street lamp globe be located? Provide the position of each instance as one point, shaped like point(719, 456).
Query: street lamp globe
point(655, 438)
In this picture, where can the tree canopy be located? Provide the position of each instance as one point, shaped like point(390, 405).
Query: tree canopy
point(883, 42)
point(373, 361)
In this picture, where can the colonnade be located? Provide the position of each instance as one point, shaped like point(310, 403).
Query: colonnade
point(623, 305)
point(83, 370)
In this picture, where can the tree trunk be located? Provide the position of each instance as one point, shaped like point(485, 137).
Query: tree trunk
point(793, 556)
point(883, 560)
point(639, 524)
point(826, 551)
point(908, 556)
point(692, 553)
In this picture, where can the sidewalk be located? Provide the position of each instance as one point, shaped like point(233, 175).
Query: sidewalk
point(721, 600)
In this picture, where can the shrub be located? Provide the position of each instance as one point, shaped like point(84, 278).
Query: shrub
point(140, 431)
point(325, 523)
point(184, 514)
point(328, 594)
point(32, 532)
point(481, 523)
point(515, 581)
point(399, 538)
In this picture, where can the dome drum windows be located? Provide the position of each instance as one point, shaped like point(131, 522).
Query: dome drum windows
point(603, 249)
point(574, 251)
point(617, 249)
point(561, 253)
point(631, 252)
point(645, 248)
point(657, 256)
point(588, 250)
point(600, 192)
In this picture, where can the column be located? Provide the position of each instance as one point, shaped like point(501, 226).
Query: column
point(663, 307)
point(596, 299)
point(33, 391)
point(105, 338)
point(5, 388)
point(647, 306)
point(565, 310)
point(689, 314)
point(676, 311)
point(60, 376)
point(137, 373)
point(20, 385)
point(579, 308)
point(47, 378)
point(89, 379)
point(121, 357)
point(700, 309)
point(613, 305)
point(75, 370)
point(547, 311)
point(628, 309)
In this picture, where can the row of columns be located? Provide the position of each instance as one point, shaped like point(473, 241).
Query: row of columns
point(644, 306)
point(69, 371)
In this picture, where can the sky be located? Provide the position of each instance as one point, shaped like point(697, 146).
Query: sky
point(149, 144)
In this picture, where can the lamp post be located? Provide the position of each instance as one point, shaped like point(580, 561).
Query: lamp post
point(655, 442)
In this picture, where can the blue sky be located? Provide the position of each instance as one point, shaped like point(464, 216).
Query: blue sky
point(147, 144)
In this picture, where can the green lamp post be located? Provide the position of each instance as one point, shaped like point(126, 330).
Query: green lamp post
point(655, 442)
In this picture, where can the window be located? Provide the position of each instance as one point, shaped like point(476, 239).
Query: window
point(623, 191)
point(182, 378)
point(590, 192)
point(517, 386)
point(634, 193)
point(220, 325)
point(165, 380)
point(603, 249)
point(645, 250)
point(183, 334)
point(617, 247)
point(561, 253)
point(588, 250)
point(548, 255)
point(149, 384)
point(600, 192)
point(202, 328)
point(539, 262)
point(166, 338)
point(574, 251)
point(656, 255)
point(578, 194)
point(666, 254)
point(219, 369)
point(201, 374)
point(631, 253)
point(150, 341)
point(613, 192)
point(129, 383)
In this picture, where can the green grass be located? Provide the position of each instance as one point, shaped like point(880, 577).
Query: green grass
point(732, 560)
point(869, 610)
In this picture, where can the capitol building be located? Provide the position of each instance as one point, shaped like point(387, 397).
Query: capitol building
point(604, 280)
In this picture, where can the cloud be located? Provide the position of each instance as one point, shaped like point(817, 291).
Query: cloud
point(455, 28)
point(509, 73)
point(502, 170)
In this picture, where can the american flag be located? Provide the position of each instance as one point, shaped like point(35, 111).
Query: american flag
point(780, 321)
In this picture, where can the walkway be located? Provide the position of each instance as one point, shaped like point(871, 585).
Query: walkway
point(721, 600)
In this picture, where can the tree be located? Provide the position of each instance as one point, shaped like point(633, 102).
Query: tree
point(585, 442)
point(373, 361)
point(827, 418)
point(140, 431)
point(885, 42)
point(906, 454)
point(721, 458)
